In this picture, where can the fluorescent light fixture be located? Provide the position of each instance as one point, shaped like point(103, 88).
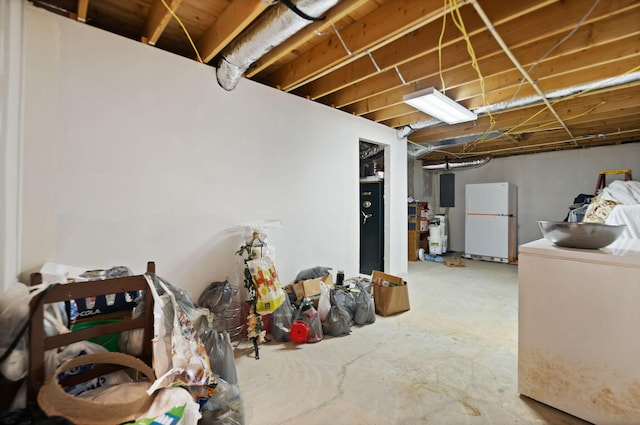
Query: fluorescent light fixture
point(439, 106)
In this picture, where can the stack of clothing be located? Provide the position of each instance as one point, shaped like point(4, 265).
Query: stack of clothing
point(618, 203)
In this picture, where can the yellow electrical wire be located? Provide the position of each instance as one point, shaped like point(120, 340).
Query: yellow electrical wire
point(454, 154)
point(512, 130)
point(580, 93)
point(456, 17)
point(444, 24)
point(547, 124)
point(577, 94)
point(565, 38)
point(568, 97)
point(183, 29)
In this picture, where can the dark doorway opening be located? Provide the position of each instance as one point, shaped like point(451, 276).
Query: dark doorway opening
point(371, 207)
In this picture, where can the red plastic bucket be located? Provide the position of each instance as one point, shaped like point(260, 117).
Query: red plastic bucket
point(299, 331)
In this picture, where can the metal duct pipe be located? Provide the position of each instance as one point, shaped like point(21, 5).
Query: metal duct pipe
point(631, 77)
point(278, 24)
point(456, 164)
point(447, 143)
point(371, 151)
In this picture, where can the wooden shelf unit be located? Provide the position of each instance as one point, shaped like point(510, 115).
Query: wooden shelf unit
point(416, 238)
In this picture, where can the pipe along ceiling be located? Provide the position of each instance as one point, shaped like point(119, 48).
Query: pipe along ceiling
point(279, 23)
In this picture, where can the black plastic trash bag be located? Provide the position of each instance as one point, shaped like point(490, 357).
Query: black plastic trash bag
point(365, 307)
point(346, 300)
point(312, 273)
point(31, 415)
point(338, 321)
point(217, 296)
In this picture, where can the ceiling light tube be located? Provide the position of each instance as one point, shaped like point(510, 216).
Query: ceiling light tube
point(436, 104)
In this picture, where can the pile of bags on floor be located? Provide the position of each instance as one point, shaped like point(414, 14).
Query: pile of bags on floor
point(194, 356)
point(193, 380)
point(338, 308)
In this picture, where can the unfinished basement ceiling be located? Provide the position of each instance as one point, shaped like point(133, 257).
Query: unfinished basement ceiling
point(542, 75)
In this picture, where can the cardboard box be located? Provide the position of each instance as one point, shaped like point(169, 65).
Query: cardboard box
point(309, 288)
point(103, 304)
point(384, 279)
point(454, 262)
point(312, 286)
point(296, 289)
point(390, 294)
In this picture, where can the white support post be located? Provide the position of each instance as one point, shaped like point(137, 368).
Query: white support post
point(11, 27)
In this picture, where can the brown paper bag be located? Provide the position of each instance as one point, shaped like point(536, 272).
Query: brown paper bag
point(390, 294)
point(391, 299)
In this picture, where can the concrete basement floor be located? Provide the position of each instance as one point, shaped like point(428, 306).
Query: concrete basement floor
point(451, 359)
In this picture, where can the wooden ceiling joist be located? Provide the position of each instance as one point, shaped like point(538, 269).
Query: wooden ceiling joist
point(523, 120)
point(392, 20)
point(490, 59)
point(341, 10)
point(410, 48)
point(618, 58)
point(238, 16)
point(83, 7)
point(157, 20)
point(366, 55)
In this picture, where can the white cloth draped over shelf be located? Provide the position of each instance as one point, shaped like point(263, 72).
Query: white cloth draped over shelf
point(627, 195)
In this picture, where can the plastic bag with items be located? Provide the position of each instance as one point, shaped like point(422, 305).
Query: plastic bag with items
point(312, 273)
point(14, 311)
point(346, 300)
point(324, 303)
point(338, 321)
point(225, 406)
point(54, 359)
point(281, 321)
point(365, 306)
point(269, 294)
point(130, 341)
point(173, 406)
point(179, 355)
point(217, 296)
point(309, 315)
point(221, 357)
point(14, 316)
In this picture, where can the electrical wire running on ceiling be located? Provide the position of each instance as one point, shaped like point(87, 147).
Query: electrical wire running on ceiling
point(281, 21)
point(541, 97)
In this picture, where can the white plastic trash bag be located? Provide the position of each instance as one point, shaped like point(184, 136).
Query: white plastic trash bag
point(179, 356)
point(171, 406)
point(324, 303)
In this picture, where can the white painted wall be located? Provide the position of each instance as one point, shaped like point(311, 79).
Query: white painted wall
point(134, 154)
point(547, 184)
point(422, 186)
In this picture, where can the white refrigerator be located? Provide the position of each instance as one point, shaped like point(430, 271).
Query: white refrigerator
point(490, 231)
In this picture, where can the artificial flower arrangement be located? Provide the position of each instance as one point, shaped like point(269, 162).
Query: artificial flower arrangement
point(249, 251)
